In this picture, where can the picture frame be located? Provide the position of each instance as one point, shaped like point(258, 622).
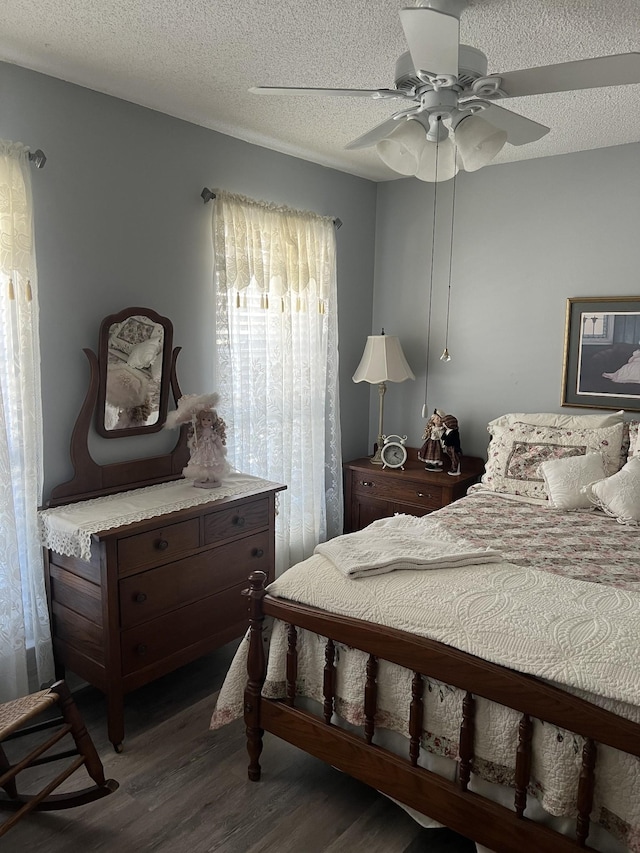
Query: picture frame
point(602, 353)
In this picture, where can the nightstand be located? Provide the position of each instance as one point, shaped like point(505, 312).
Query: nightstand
point(373, 492)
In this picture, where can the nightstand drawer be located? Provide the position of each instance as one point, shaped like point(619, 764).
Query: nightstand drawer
point(406, 491)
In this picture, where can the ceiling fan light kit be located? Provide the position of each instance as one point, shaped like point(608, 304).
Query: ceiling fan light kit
point(443, 82)
point(438, 161)
point(401, 150)
point(478, 142)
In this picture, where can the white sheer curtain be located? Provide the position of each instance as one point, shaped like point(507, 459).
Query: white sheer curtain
point(277, 347)
point(24, 620)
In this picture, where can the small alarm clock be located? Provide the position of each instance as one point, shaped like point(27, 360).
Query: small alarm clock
point(394, 453)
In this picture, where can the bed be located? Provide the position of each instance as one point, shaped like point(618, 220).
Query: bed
point(501, 697)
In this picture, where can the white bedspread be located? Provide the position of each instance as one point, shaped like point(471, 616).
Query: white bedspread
point(402, 543)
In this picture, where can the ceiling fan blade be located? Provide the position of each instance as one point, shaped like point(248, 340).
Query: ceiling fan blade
point(374, 135)
point(520, 130)
point(293, 90)
point(617, 70)
point(432, 37)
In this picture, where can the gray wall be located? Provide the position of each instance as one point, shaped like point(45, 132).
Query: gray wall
point(527, 236)
point(120, 222)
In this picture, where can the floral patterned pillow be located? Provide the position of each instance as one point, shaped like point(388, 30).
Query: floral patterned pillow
point(517, 451)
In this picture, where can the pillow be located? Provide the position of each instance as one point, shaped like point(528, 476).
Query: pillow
point(124, 336)
point(516, 452)
point(565, 479)
point(564, 421)
point(634, 440)
point(619, 495)
point(142, 355)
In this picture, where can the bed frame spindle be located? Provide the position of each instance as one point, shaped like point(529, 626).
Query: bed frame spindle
point(585, 790)
point(329, 684)
point(370, 698)
point(256, 672)
point(523, 763)
point(416, 717)
point(292, 664)
point(466, 739)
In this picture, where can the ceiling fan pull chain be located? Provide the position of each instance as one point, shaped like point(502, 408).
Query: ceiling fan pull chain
point(445, 353)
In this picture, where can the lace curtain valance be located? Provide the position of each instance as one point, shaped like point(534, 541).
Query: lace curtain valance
point(16, 218)
point(275, 252)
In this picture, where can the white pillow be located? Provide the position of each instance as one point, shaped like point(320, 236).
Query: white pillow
point(143, 354)
point(564, 421)
point(619, 495)
point(634, 439)
point(565, 479)
point(516, 453)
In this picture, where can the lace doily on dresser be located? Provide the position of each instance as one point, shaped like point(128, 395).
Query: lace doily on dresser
point(68, 529)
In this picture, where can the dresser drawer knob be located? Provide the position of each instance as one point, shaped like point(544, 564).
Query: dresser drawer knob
point(162, 544)
point(423, 494)
point(140, 598)
point(141, 649)
point(258, 552)
point(366, 483)
point(238, 521)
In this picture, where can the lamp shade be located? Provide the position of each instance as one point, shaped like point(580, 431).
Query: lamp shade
point(401, 150)
point(446, 166)
point(478, 142)
point(383, 361)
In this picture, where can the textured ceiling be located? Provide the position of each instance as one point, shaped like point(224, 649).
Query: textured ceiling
point(196, 59)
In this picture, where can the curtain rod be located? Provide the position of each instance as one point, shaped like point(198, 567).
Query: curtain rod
point(208, 194)
point(38, 158)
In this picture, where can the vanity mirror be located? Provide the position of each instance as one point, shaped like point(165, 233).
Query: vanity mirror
point(134, 362)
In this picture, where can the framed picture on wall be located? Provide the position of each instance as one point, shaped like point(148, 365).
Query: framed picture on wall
point(602, 353)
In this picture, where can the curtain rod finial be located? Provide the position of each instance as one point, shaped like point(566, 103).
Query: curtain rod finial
point(207, 194)
point(38, 158)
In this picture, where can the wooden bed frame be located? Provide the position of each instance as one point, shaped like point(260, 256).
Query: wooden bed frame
point(449, 803)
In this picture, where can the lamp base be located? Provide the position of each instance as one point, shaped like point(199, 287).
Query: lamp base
point(376, 459)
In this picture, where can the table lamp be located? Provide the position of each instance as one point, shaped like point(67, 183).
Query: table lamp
point(382, 361)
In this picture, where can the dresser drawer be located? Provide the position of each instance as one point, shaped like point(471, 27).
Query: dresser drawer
point(406, 491)
point(146, 644)
point(229, 523)
point(150, 594)
point(157, 546)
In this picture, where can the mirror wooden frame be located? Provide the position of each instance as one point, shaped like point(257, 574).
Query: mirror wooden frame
point(103, 361)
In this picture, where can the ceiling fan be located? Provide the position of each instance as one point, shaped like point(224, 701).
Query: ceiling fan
point(449, 119)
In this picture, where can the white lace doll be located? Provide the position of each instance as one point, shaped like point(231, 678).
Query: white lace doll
point(206, 440)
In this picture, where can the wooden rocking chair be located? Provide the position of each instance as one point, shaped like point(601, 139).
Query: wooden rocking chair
point(14, 717)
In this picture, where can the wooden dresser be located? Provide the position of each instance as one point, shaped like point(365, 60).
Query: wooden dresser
point(373, 492)
point(159, 593)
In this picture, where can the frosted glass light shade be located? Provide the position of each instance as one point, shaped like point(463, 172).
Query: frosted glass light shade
point(478, 142)
point(401, 150)
point(382, 361)
point(446, 165)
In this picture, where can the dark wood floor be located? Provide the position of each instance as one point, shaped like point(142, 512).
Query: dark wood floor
point(184, 788)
